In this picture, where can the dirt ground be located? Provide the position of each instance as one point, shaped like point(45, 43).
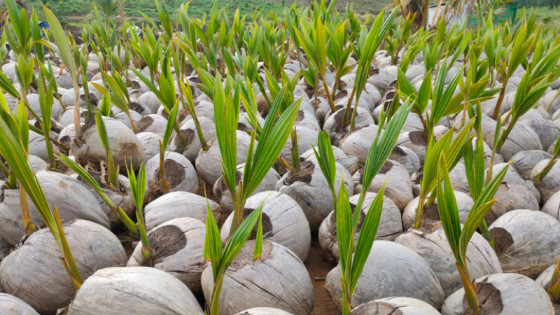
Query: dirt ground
point(318, 269)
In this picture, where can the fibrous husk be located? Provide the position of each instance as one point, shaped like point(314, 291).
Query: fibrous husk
point(10, 304)
point(177, 248)
point(38, 145)
point(190, 136)
point(124, 144)
point(263, 311)
point(398, 186)
point(547, 131)
point(277, 279)
point(180, 174)
point(123, 117)
point(150, 100)
point(395, 305)
point(512, 177)
point(309, 188)
point(390, 270)
point(306, 137)
point(72, 199)
point(434, 248)
point(521, 138)
point(511, 197)
point(525, 161)
point(5, 249)
point(415, 141)
point(359, 141)
point(33, 101)
point(431, 214)
point(138, 290)
point(544, 278)
point(502, 294)
point(177, 204)
point(35, 265)
point(406, 157)
point(349, 161)
point(208, 162)
point(150, 143)
point(390, 225)
point(37, 163)
point(152, 123)
point(283, 221)
point(550, 184)
point(552, 206)
point(526, 241)
point(334, 123)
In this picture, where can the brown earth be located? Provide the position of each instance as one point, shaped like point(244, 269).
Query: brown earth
point(318, 268)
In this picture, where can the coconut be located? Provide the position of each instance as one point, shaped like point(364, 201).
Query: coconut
point(390, 225)
point(526, 241)
point(283, 221)
point(190, 136)
point(415, 141)
point(305, 137)
point(333, 124)
point(177, 204)
point(431, 214)
point(511, 197)
point(406, 157)
point(177, 248)
point(35, 264)
point(395, 305)
point(349, 161)
point(359, 141)
point(502, 293)
point(547, 131)
point(152, 123)
point(550, 184)
point(5, 249)
point(124, 144)
point(309, 188)
point(10, 304)
point(398, 186)
point(390, 270)
point(552, 206)
point(72, 199)
point(222, 193)
point(150, 100)
point(138, 290)
point(150, 143)
point(180, 174)
point(525, 161)
point(37, 163)
point(38, 145)
point(123, 117)
point(277, 279)
point(525, 138)
point(544, 278)
point(434, 248)
point(33, 101)
point(207, 162)
point(512, 177)
point(263, 311)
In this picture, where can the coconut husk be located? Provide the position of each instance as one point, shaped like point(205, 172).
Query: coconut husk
point(502, 294)
point(526, 241)
point(390, 270)
point(138, 290)
point(550, 184)
point(306, 137)
point(511, 197)
point(152, 123)
point(415, 141)
point(390, 225)
point(190, 136)
point(10, 304)
point(395, 305)
point(278, 279)
point(150, 100)
point(552, 206)
point(512, 177)
point(336, 131)
point(283, 222)
point(521, 138)
point(38, 146)
point(434, 248)
point(150, 143)
point(35, 264)
point(431, 214)
point(349, 161)
point(263, 311)
point(359, 141)
point(525, 161)
point(547, 131)
point(72, 199)
point(180, 175)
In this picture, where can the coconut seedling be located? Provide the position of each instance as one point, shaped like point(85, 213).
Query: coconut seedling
point(115, 85)
point(271, 140)
point(554, 284)
point(539, 177)
point(459, 237)
point(353, 256)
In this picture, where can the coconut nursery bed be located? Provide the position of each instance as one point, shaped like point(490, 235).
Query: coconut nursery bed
point(310, 162)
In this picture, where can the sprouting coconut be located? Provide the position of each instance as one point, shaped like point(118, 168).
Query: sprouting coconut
point(431, 214)
point(334, 123)
point(526, 241)
point(150, 143)
point(221, 191)
point(390, 225)
point(5, 249)
point(395, 305)
point(37, 163)
point(179, 175)
point(550, 184)
point(552, 206)
point(359, 141)
point(177, 248)
point(434, 248)
point(309, 188)
point(512, 177)
point(263, 311)
point(152, 123)
point(306, 137)
point(406, 157)
point(177, 204)
point(277, 279)
point(191, 139)
point(138, 290)
point(72, 199)
point(394, 176)
point(283, 221)
point(10, 304)
point(349, 161)
point(525, 161)
point(521, 138)
point(547, 131)
point(38, 145)
point(208, 162)
point(150, 100)
point(415, 141)
point(390, 270)
point(35, 264)
point(502, 293)
point(124, 144)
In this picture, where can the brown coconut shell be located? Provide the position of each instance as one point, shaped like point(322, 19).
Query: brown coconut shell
point(35, 264)
point(138, 290)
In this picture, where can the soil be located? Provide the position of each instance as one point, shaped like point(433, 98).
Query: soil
point(318, 267)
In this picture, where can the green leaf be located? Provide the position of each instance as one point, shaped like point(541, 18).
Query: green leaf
point(344, 235)
point(239, 237)
point(325, 159)
point(212, 244)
